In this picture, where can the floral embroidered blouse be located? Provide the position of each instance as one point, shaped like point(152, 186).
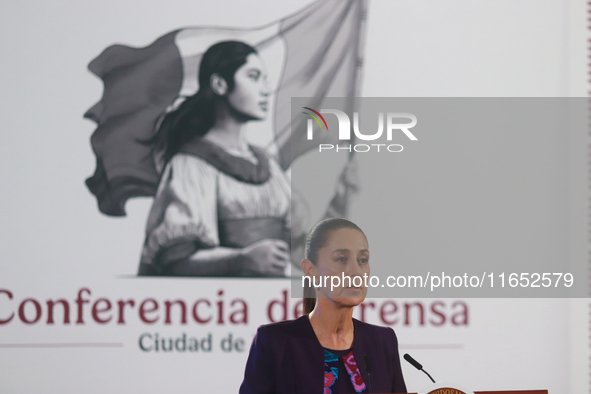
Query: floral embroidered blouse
point(341, 374)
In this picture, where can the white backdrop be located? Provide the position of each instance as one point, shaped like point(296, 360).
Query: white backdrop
point(55, 242)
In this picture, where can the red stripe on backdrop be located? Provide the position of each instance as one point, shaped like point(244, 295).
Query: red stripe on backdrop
point(59, 345)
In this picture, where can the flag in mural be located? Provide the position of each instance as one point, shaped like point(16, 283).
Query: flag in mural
point(315, 52)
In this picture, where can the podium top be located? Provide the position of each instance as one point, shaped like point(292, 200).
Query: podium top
point(510, 392)
point(513, 392)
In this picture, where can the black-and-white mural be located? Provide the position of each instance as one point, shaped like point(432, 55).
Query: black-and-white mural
point(175, 122)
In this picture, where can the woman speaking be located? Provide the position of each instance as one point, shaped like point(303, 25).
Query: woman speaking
point(326, 350)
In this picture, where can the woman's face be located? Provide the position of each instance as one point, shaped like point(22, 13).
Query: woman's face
point(346, 254)
point(250, 94)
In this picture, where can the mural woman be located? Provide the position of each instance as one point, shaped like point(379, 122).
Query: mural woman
point(222, 207)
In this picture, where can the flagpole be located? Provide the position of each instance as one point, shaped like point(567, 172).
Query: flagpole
point(357, 88)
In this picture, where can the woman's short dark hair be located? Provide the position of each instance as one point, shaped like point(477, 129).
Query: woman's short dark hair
point(196, 115)
point(318, 238)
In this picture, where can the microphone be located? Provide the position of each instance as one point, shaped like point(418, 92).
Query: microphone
point(416, 364)
point(367, 363)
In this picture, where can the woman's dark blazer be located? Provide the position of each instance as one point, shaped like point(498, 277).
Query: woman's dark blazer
point(286, 357)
